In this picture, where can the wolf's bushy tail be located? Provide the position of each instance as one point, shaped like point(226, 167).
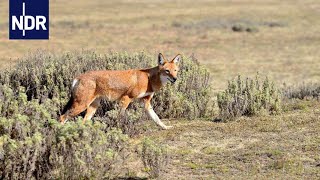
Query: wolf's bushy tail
point(70, 102)
point(68, 105)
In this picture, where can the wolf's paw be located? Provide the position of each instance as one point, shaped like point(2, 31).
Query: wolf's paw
point(167, 127)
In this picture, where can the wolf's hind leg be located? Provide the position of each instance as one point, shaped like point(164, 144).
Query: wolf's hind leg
point(91, 110)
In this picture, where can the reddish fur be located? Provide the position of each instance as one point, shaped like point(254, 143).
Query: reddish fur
point(123, 86)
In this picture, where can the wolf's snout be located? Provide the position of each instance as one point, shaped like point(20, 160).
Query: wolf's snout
point(174, 79)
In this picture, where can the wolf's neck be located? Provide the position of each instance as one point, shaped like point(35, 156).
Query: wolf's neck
point(154, 78)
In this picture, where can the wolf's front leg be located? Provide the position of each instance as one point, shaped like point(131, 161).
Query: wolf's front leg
point(153, 115)
point(156, 118)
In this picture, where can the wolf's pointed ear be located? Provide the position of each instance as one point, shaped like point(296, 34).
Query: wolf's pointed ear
point(161, 59)
point(176, 59)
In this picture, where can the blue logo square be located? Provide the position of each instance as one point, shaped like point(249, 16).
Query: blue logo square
point(28, 19)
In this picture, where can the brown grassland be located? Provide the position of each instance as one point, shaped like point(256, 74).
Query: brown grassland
point(280, 39)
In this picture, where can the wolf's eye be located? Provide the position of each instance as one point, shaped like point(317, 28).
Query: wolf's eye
point(167, 71)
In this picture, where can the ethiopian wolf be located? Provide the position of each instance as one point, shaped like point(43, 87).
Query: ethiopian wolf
point(123, 86)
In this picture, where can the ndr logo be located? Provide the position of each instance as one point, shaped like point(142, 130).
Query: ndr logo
point(29, 19)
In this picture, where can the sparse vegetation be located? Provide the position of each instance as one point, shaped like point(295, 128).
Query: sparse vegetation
point(154, 157)
point(236, 25)
point(249, 97)
point(304, 91)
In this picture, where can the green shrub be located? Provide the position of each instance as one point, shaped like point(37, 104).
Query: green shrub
point(33, 144)
point(49, 76)
point(154, 157)
point(302, 91)
point(248, 97)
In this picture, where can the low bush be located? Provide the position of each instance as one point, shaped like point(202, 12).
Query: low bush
point(47, 76)
point(248, 97)
point(33, 145)
point(302, 91)
point(154, 157)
